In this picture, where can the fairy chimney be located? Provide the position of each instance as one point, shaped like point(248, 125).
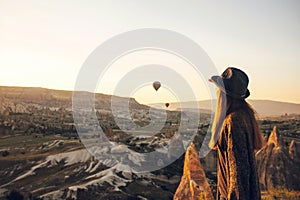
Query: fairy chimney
point(274, 137)
point(193, 184)
point(293, 151)
point(278, 167)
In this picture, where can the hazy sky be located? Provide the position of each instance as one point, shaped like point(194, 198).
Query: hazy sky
point(44, 43)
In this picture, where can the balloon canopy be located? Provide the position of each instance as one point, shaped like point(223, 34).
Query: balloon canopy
point(167, 104)
point(156, 85)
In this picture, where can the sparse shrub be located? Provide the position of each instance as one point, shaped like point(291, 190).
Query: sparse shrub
point(282, 193)
point(15, 195)
point(5, 153)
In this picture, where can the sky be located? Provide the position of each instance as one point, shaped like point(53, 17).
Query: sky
point(45, 43)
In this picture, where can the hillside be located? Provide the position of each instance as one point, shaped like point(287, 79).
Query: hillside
point(263, 107)
point(61, 98)
point(42, 97)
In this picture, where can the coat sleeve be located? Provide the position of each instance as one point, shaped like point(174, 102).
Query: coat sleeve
point(238, 159)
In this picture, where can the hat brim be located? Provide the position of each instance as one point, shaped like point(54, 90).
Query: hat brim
point(218, 81)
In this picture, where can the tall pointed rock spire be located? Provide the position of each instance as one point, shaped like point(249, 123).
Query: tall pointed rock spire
point(193, 184)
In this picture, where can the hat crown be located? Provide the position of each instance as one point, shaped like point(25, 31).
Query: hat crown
point(235, 81)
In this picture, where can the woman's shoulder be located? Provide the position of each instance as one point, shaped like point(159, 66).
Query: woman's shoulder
point(236, 117)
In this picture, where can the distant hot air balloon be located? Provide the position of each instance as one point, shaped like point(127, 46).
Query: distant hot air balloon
point(167, 104)
point(156, 85)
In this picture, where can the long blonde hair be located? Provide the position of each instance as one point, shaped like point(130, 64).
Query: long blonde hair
point(226, 105)
point(220, 114)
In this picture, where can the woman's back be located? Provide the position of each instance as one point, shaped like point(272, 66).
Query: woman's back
point(237, 176)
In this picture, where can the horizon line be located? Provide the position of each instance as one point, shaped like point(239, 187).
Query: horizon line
point(68, 90)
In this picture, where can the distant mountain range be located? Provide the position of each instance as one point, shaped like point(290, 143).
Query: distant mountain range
point(262, 107)
point(58, 98)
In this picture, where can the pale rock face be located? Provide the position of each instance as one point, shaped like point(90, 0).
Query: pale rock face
point(193, 184)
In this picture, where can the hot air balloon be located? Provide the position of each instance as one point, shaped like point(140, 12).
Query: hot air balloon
point(156, 85)
point(167, 104)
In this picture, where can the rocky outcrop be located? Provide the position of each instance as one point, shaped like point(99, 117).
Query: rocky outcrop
point(294, 152)
point(278, 167)
point(193, 184)
point(274, 138)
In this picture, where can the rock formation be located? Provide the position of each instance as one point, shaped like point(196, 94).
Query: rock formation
point(274, 138)
point(193, 184)
point(278, 166)
point(294, 152)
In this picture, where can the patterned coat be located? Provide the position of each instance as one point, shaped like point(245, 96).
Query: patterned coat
point(237, 174)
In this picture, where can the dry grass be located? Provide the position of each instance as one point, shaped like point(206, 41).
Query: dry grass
point(281, 193)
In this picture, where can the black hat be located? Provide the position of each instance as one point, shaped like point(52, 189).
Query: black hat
point(233, 82)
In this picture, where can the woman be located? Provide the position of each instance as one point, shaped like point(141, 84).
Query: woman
point(235, 135)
